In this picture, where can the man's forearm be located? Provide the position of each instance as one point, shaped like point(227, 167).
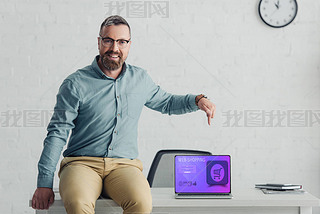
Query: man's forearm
point(48, 161)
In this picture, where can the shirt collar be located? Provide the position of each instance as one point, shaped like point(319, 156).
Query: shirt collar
point(97, 69)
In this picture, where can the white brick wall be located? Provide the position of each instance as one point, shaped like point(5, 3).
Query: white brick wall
point(220, 48)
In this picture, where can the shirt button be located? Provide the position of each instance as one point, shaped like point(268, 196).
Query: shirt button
point(115, 132)
point(110, 148)
point(117, 97)
point(118, 115)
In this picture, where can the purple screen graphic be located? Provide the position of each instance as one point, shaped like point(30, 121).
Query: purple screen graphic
point(202, 174)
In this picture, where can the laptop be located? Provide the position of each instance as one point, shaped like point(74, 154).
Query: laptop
point(202, 176)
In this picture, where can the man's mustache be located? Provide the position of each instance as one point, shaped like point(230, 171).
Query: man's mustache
point(112, 52)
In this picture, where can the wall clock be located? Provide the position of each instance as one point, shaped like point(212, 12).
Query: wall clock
point(278, 13)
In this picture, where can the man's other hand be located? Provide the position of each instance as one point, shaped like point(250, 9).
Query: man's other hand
point(208, 107)
point(42, 198)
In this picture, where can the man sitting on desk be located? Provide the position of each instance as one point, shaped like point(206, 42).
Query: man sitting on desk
point(101, 104)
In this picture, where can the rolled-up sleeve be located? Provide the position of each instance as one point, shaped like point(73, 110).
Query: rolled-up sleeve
point(62, 121)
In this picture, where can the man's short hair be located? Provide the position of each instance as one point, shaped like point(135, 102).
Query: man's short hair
point(114, 20)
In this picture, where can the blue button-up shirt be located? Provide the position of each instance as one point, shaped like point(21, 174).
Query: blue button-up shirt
point(103, 114)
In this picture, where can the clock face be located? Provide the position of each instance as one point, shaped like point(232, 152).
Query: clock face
point(278, 13)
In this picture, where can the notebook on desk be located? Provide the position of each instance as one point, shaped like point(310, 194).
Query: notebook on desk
point(198, 176)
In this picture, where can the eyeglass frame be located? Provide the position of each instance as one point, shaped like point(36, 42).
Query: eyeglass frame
point(113, 40)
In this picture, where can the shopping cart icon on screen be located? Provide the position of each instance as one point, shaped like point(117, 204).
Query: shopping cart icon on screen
point(217, 172)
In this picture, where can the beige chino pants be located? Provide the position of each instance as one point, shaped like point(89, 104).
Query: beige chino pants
point(83, 179)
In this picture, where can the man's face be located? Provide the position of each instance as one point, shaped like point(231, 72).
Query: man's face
point(113, 57)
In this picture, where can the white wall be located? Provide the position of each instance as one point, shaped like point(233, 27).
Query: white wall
point(219, 48)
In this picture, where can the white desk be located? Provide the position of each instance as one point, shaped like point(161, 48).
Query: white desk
point(244, 201)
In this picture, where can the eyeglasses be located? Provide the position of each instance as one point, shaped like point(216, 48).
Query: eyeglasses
point(108, 42)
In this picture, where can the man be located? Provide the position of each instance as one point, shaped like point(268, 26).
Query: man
point(101, 104)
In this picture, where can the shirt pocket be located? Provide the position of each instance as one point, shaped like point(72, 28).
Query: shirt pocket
point(135, 104)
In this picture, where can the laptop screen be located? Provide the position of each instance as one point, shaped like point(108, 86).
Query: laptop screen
point(202, 174)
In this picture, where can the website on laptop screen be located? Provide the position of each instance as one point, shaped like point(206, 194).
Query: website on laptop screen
point(202, 174)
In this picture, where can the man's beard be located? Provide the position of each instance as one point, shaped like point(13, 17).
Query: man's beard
point(111, 65)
